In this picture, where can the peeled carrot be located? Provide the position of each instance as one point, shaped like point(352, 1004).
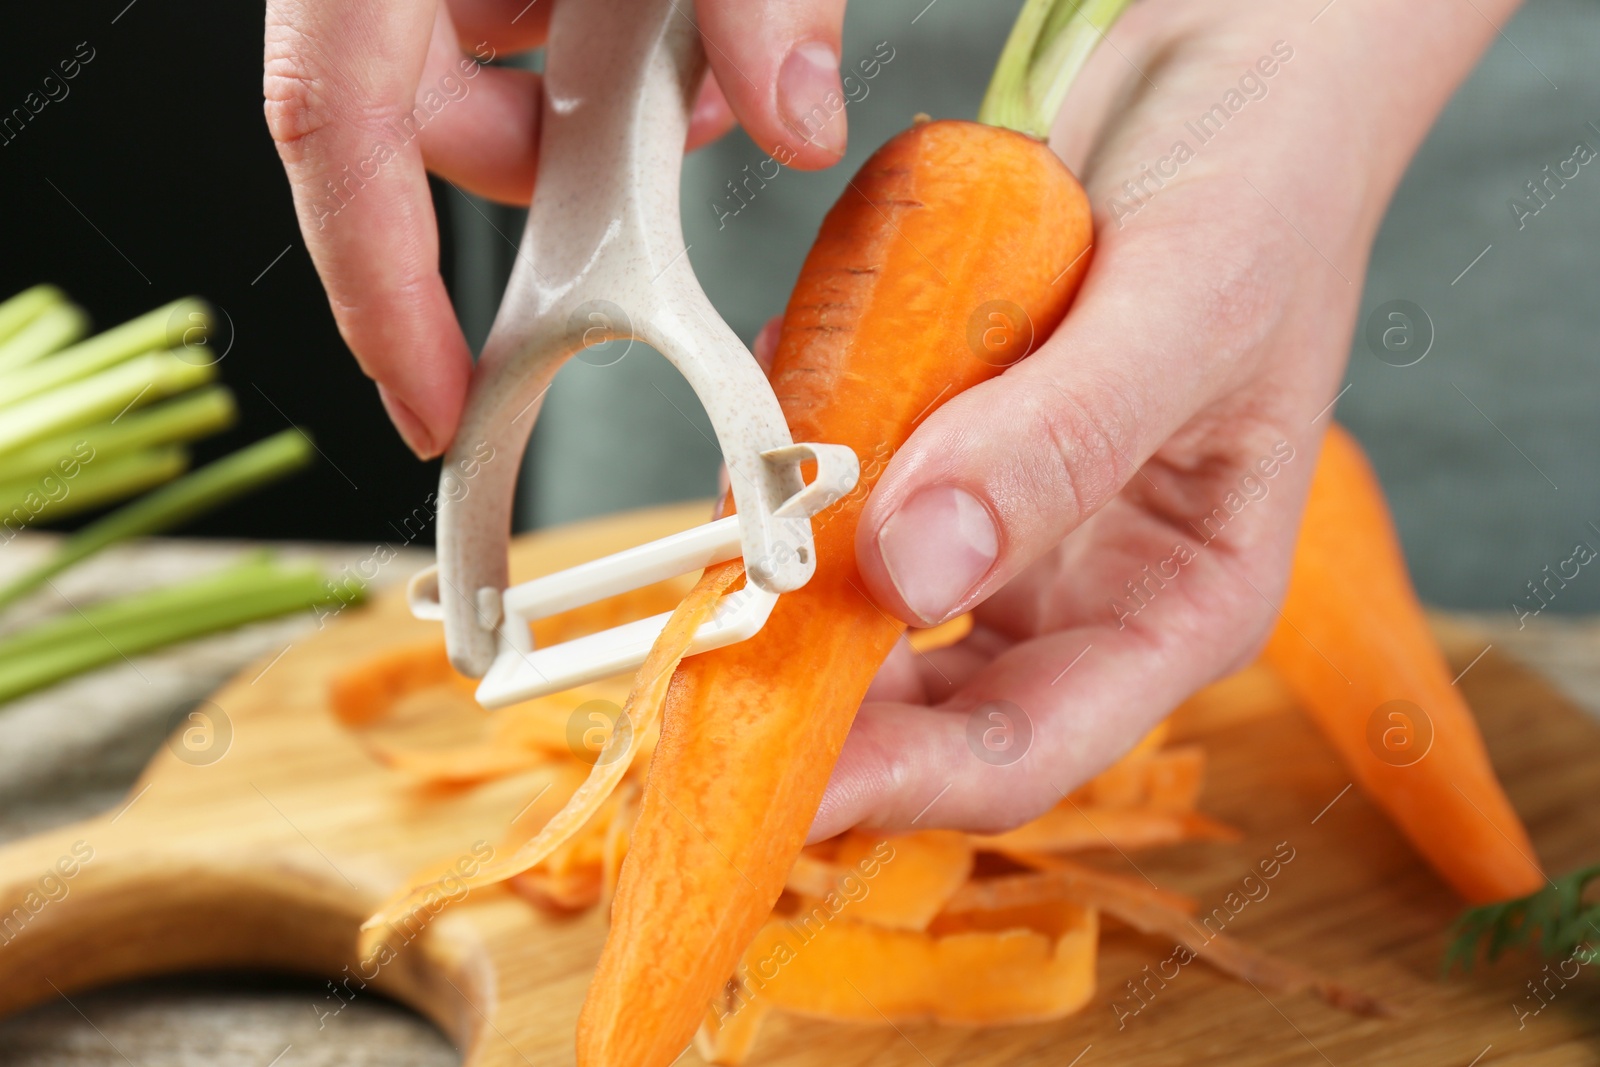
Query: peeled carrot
point(1354, 640)
point(946, 218)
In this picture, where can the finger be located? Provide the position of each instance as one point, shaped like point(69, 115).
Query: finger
point(340, 81)
point(777, 62)
point(1046, 715)
point(479, 126)
point(711, 118)
point(490, 28)
point(1000, 474)
point(909, 767)
point(899, 678)
point(912, 677)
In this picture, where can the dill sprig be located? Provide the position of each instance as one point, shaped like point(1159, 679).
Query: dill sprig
point(1557, 914)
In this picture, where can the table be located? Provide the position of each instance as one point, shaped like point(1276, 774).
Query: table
point(74, 750)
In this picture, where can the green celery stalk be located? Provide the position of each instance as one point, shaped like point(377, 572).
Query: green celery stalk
point(55, 326)
point(193, 415)
point(130, 610)
point(228, 604)
point(17, 311)
point(194, 494)
point(94, 399)
point(168, 326)
point(115, 478)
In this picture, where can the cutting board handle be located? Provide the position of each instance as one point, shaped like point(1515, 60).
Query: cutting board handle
point(89, 904)
point(92, 904)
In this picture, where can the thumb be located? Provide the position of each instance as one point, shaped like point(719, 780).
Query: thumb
point(1000, 474)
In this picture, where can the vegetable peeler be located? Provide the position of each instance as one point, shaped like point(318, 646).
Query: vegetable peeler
point(603, 258)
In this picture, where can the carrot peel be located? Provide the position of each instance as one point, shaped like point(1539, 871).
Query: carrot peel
point(641, 712)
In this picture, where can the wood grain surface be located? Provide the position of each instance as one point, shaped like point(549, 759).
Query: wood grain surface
point(267, 857)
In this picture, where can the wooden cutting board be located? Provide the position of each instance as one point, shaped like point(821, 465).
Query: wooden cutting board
point(265, 834)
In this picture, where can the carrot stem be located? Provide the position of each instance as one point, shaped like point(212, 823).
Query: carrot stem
point(1049, 45)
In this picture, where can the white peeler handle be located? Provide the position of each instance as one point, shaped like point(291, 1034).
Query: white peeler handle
point(603, 257)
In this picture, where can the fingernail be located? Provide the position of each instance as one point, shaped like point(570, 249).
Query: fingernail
point(412, 430)
point(810, 96)
point(936, 548)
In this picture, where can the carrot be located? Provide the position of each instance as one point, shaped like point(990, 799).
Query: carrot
point(1353, 640)
point(947, 218)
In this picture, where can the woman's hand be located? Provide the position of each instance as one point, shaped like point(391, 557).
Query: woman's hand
point(1119, 510)
point(363, 97)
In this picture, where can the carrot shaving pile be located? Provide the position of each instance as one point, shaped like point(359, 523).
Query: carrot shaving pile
point(937, 925)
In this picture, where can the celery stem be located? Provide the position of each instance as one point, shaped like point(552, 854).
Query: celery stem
point(186, 418)
point(17, 311)
point(54, 497)
point(127, 626)
point(102, 396)
point(55, 326)
point(194, 494)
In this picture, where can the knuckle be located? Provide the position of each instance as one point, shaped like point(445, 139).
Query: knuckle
point(307, 96)
point(296, 94)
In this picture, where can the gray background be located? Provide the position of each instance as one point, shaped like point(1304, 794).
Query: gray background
point(1514, 336)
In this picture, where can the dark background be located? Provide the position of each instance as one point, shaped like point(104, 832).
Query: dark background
point(161, 144)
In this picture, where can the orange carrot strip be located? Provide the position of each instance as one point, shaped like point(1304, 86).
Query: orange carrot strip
point(944, 635)
point(366, 691)
point(1071, 828)
point(915, 874)
point(1355, 648)
point(1256, 692)
point(857, 972)
point(1062, 875)
point(458, 765)
point(1148, 915)
point(560, 891)
point(642, 710)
